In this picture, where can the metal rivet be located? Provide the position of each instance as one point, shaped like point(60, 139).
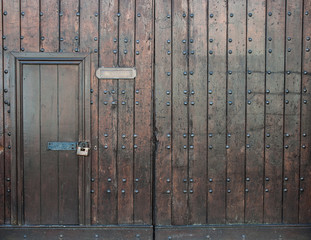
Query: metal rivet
point(247, 179)
point(270, 50)
point(230, 102)
point(246, 190)
point(185, 191)
point(304, 134)
point(285, 190)
point(228, 179)
point(106, 147)
point(301, 190)
point(210, 147)
point(266, 190)
point(168, 16)
point(230, 72)
point(268, 146)
point(168, 180)
point(5, 13)
point(118, 14)
point(211, 15)
point(267, 179)
point(168, 147)
point(250, 51)
point(270, 39)
point(191, 15)
point(138, 15)
point(122, 191)
point(96, 14)
point(231, 14)
point(78, 14)
point(230, 51)
point(168, 41)
point(23, 13)
point(210, 191)
point(289, 13)
point(230, 39)
point(301, 179)
point(270, 13)
point(229, 191)
point(304, 146)
point(92, 191)
point(286, 179)
point(308, 38)
point(267, 102)
point(250, 14)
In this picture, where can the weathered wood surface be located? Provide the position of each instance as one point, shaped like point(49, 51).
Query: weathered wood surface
point(230, 104)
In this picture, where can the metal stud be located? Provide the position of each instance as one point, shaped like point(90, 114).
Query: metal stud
point(230, 39)
point(138, 15)
point(270, 50)
point(250, 14)
point(211, 40)
point(289, 13)
point(211, 15)
point(231, 14)
point(270, 39)
point(191, 15)
point(267, 179)
point(270, 13)
point(119, 14)
point(210, 191)
point(5, 13)
point(250, 51)
point(168, 191)
point(23, 13)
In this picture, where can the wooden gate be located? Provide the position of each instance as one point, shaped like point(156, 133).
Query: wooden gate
point(209, 140)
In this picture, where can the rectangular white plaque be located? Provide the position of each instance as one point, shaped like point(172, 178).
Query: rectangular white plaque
point(115, 73)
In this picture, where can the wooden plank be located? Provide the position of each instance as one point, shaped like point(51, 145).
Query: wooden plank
point(89, 43)
point(217, 36)
point(305, 139)
point(292, 111)
point(69, 26)
point(2, 175)
point(11, 31)
point(255, 118)
point(30, 26)
point(180, 114)
point(125, 161)
point(49, 26)
point(125, 151)
point(107, 179)
point(274, 111)
point(236, 111)
point(31, 143)
point(49, 132)
point(197, 112)
point(107, 131)
point(68, 111)
point(163, 113)
point(143, 113)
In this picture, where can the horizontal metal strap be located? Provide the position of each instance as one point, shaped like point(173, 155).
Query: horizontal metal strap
point(61, 146)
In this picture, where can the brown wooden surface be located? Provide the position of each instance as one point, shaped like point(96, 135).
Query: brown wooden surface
point(216, 169)
point(180, 90)
point(255, 111)
point(292, 111)
point(266, 156)
point(274, 112)
point(163, 113)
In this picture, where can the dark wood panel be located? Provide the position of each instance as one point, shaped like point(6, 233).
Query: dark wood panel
point(68, 130)
point(89, 38)
point(236, 111)
point(305, 153)
point(31, 143)
point(49, 133)
point(143, 112)
point(11, 42)
point(292, 110)
point(163, 112)
point(274, 111)
point(49, 26)
point(197, 132)
point(69, 13)
point(217, 84)
point(125, 160)
point(255, 111)
point(107, 172)
point(30, 38)
point(180, 113)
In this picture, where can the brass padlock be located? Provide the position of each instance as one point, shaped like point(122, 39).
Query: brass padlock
point(83, 149)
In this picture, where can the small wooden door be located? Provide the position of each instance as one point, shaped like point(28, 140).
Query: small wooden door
point(51, 103)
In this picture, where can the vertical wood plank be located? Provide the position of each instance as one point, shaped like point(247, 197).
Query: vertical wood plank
point(163, 112)
point(89, 43)
point(305, 157)
point(125, 114)
point(2, 175)
point(11, 31)
point(107, 179)
point(143, 112)
point(49, 26)
point(68, 104)
point(31, 143)
point(274, 111)
point(30, 26)
point(197, 111)
point(256, 11)
point(292, 110)
point(125, 151)
point(236, 111)
point(49, 132)
point(180, 113)
point(69, 26)
point(217, 83)
point(108, 116)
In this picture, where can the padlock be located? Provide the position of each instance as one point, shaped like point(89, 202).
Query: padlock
point(83, 149)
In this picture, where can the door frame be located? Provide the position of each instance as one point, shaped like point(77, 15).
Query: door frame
point(17, 61)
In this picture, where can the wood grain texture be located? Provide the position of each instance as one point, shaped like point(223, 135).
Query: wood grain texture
point(255, 111)
point(180, 90)
point(305, 153)
point(236, 111)
point(31, 144)
point(274, 112)
point(49, 26)
point(11, 31)
point(217, 84)
point(197, 131)
point(30, 25)
point(108, 128)
point(89, 42)
point(292, 110)
point(143, 112)
point(163, 113)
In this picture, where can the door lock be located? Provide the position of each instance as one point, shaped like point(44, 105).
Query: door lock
point(83, 149)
